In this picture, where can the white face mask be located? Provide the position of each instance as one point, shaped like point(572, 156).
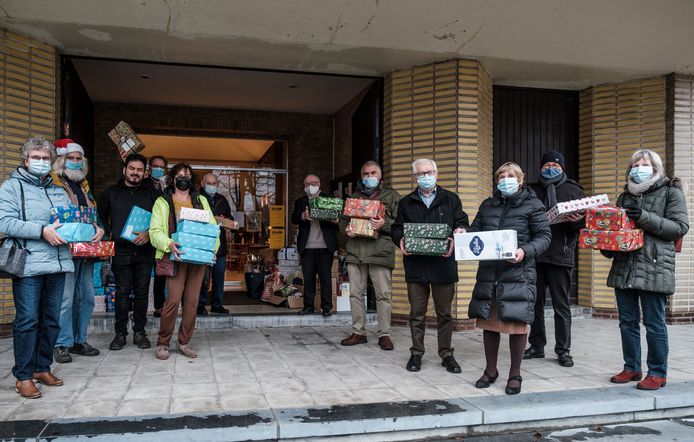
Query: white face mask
point(311, 190)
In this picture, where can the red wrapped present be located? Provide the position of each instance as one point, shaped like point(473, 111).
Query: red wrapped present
point(625, 240)
point(608, 218)
point(363, 208)
point(99, 249)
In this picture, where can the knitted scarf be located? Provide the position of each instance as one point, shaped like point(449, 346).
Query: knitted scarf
point(639, 188)
point(550, 186)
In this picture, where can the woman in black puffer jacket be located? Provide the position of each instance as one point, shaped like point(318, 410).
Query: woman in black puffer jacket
point(504, 296)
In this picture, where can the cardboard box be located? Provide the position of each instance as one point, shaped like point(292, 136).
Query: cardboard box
point(295, 302)
point(125, 138)
point(99, 249)
point(324, 202)
point(427, 230)
point(190, 214)
point(489, 245)
point(138, 221)
point(323, 214)
point(426, 246)
point(363, 208)
point(185, 226)
point(343, 304)
point(227, 223)
point(99, 304)
point(362, 227)
point(613, 240)
point(289, 254)
point(194, 241)
point(195, 256)
point(76, 232)
point(73, 214)
point(608, 218)
point(558, 213)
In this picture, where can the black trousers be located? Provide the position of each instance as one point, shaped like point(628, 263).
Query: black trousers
point(158, 289)
point(558, 279)
point(132, 272)
point(317, 262)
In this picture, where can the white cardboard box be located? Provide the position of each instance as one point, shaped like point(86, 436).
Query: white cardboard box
point(482, 246)
point(190, 214)
point(343, 304)
point(558, 213)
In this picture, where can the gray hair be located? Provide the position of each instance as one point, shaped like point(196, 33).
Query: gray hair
point(37, 143)
point(656, 162)
point(59, 167)
point(374, 164)
point(420, 161)
point(209, 174)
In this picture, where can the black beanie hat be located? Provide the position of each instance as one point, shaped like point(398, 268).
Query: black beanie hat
point(553, 157)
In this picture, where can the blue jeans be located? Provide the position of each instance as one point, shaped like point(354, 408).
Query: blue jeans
point(78, 304)
point(653, 308)
point(217, 270)
point(35, 328)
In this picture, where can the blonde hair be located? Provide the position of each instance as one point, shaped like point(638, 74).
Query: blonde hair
point(513, 168)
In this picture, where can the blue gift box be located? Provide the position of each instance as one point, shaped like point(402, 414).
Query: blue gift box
point(96, 275)
point(73, 214)
point(196, 228)
point(195, 241)
point(195, 256)
point(138, 221)
point(76, 232)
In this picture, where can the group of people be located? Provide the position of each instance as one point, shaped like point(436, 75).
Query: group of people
point(54, 297)
point(508, 296)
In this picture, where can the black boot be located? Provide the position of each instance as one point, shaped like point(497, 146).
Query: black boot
point(118, 342)
point(140, 340)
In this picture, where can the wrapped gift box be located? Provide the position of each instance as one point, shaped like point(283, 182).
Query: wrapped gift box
point(97, 280)
point(289, 254)
point(76, 232)
point(195, 256)
point(73, 214)
point(612, 240)
point(608, 218)
point(324, 202)
point(362, 227)
point(99, 291)
point(490, 245)
point(295, 301)
point(138, 221)
point(195, 241)
point(363, 208)
point(228, 224)
point(323, 214)
point(426, 246)
point(427, 230)
point(190, 214)
point(125, 138)
point(99, 249)
point(110, 299)
point(558, 213)
point(99, 304)
point(196, 228)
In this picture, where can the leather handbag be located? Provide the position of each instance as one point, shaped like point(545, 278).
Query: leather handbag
point(165, 266)
point(13, 254)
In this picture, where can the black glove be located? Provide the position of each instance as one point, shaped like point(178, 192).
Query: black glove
point(634, 212)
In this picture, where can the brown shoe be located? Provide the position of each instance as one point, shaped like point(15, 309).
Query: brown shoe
point(47, 378)
point(385, 343)
point(624, 377)
point(27, 389)
point(354, 339)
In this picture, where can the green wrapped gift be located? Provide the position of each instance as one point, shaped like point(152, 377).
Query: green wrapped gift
point(323, 214)
point(323, 202)
point(426, 246)
point(427, 230)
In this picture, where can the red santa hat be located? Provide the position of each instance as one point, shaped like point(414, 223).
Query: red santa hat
point(65, 146)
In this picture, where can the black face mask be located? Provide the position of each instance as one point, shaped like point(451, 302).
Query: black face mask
point(182, 183)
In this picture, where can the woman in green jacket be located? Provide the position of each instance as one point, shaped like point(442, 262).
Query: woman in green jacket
point(187, 278)
point(647, 276)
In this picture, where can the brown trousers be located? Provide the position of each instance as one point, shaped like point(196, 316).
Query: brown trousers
point(186, 284)
point(418, 295)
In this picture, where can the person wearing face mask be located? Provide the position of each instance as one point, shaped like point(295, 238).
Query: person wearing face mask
point(132, 263)
point(430, 203)
point(25, 202)
point(316, 244)
point(69, 172)
point(156, 169)
point(220, 208)
point(554, 267)
point(503, 299)
point(371, 257)
point(185, 281)
point(644, 278)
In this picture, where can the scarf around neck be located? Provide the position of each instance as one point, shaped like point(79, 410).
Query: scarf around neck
point(639, 188)
point(550, 186)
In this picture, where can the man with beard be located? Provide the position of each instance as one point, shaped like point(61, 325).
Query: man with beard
point(157, 169)
point(69, 172)
point(133, 261)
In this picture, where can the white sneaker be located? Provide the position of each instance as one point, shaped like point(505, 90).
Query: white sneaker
point(162, 352)
point(187, 351)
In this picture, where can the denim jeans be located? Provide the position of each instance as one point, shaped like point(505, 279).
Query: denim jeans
point(217, 270)
point(653, 307)
point(37, 311)
point(78, 304)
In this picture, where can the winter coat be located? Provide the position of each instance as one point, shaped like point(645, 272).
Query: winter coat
point(664, 219)
point(377, 251)
point(328, 228)
point(562, 250)
point(39, 197)
point(514, 283)
point(446, 208)
point(61, 181)
point(220, 207)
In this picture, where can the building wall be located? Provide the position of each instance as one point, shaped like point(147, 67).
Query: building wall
point(441, 111)
point(28, 103)
point(343, 135)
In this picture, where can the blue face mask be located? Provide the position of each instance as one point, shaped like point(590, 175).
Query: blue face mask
point(210, 190)
point(508, 186)
point(641, 173)
point(370, 182)
point(157, 173)
point(39, 168)
point(550, 172)
point(73, 165)
point(426, 182)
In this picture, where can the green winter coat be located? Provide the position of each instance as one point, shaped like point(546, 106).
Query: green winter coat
point(381, 250)
point(664, 220)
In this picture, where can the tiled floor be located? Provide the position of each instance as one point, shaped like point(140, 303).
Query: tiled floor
point(244, 369)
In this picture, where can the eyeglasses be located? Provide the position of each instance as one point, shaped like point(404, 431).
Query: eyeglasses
point(38, 158)
point(427, 173)
point(312, 183)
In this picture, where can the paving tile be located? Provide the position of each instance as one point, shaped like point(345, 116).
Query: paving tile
point(194, 390)
point(244, 402)
point(195, 404)
point(335, 397)
point(142, 407)
point(136, 392)
point(289, 400)
point(239, 388)
point(40, 409)
point(92, 409)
